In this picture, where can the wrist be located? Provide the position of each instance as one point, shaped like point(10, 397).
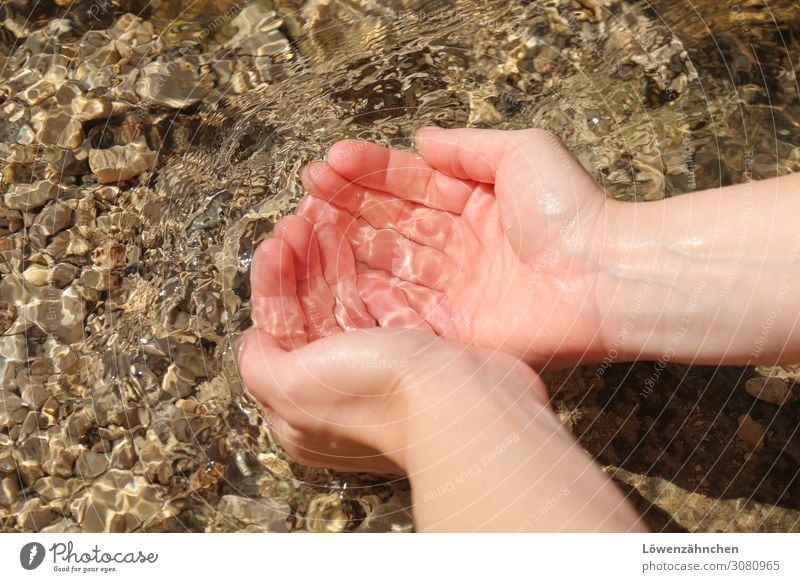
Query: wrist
point(644, 277)
point(459, 393)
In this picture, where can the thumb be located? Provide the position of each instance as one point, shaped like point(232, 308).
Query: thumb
point(544, 193)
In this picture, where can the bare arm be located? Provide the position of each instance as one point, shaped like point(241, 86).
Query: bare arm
point(712, 277)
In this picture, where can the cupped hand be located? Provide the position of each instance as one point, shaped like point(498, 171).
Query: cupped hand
point(489, 237)
point(353, 401)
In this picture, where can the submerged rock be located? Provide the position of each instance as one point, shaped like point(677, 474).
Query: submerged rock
point(120, 163)
point(773, 390)
point(176, 84)
point(27, 197)
point(273, 515)
point(119, 502)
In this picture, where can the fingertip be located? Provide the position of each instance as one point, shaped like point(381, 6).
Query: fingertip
point(291, 225)
point(259, 357)
point(272, 272)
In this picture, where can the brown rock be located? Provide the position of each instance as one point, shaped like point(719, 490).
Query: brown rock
point(750, 432)
point(773, 390)
point(9, 490)
point(34, 515)
point(35, 395)
point(27, 197)
point(90, 465)
point(120, 163)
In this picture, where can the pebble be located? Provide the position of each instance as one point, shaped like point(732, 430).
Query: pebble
point(773, 390)
point(8, 313)
point(58, 128)
point(123, 455)
point(175, 84)
point(36, 274)
point(34, 515)
point(12, 410)
point(54, 218)
point(9, 490)
point(327, 513)
point(90, 464)
point(27, 197)
point(750, 432)
point(38, 92)
point(35, 395)
point(121, 162)
point(117, 502)
point(271, 514)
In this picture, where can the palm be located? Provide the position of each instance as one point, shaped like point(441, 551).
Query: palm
point(502, 264)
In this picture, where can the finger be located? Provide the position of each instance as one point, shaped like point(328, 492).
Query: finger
point(469, 154)
point(339, 270)
point(303, 448)
point(388, 304)
point(263, 364)
point(403, 174)
point(275, 307)
point(390, 251)
point(421, 224)
point(316, 210)
point(313, 292)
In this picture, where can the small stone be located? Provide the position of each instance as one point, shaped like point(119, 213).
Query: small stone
point(8, 313)
point(118, 501)
point(87, 109)
point(12, 410)
point(750, 432)
point(35, 395)
point(54, 218)
point(52, 488)
point(120, 163)
point(59, 128)
point(178, 382)
point(98, 279)
point(37, 92)
point(327, 513)
point(773, 390)
point(9, 490)
point(30, 471)
point(62, 274)
point(60, 462)
point(123, 455)
point(90, 465)
point(34, 515)
point(27, 197)
point(25, 135)
point(65, 525)
point(175, 84)
point(269, 514)
point(36, 274)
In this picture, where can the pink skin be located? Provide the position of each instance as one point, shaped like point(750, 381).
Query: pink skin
point(487, 237)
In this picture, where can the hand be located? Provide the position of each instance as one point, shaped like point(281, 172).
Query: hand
point(489, 237)
point(469, 426)
point(352, 401)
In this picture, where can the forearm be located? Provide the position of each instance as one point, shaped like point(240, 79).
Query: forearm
point(712, 277)
point(492, 464)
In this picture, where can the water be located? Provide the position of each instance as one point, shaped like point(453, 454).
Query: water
point(149, 281)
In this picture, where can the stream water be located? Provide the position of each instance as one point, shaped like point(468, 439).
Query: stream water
point(147, 147)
